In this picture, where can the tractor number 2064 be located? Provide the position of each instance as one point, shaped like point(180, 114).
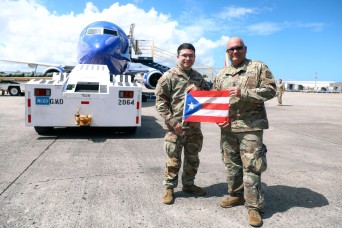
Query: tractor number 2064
point(126, 102)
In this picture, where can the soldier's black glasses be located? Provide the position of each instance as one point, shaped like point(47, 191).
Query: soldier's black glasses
point(237, 48)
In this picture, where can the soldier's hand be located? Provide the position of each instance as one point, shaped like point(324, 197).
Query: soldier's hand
point(235, 91)
point(178, 129)
point(191, 87)
point(223, 124)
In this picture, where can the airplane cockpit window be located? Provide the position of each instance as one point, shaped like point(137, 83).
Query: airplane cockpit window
point(93, 31)
point(110, 32)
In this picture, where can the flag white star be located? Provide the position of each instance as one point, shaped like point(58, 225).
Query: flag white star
point(191, 106)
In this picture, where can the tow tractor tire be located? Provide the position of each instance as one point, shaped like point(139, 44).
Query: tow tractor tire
point(125, 130)
point(43, 130)
point(130, 130)
point(14, 90)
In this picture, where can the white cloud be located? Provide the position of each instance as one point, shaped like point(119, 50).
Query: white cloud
point(316, 27)
point(267, 28)
point(235, 12)
point(31, 33)
point(264, 28)
point(205, 48)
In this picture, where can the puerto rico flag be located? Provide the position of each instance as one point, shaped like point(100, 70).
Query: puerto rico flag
point(206, 106)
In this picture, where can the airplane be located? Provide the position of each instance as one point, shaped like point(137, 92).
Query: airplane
point(105, 43)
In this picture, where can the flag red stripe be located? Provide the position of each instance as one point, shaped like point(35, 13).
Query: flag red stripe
point(214, 106)
point(213, 93)
point(215, 119)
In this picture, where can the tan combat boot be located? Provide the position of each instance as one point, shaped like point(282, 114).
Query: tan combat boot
point(194, 189)
point(254, 217)
point(168, 196)
point(232, 201)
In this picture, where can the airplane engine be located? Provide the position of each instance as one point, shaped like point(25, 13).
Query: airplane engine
point(50, 70)
point(151, 78)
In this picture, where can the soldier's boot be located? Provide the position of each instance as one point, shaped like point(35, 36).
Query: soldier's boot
point(254, 217)
point(194, 189)
point(232, 201)
point(168, 196)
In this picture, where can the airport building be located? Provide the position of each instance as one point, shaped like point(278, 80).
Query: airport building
point(314, 86)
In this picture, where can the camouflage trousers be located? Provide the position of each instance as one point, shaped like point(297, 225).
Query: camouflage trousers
point(244, 156)
point(279, 97)
point(173, 146)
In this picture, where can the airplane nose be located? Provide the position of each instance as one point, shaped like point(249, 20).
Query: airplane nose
point(104, 45)
point(109, 49)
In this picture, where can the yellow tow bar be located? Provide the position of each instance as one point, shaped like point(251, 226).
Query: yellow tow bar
point(82, 120)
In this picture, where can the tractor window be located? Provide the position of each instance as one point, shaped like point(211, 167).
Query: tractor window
point(91, 87)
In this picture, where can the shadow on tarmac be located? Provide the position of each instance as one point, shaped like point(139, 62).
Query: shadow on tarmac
point(215, 190)
point(280, 198)
point(218, 190)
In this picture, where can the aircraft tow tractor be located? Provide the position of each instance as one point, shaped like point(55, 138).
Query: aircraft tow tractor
point(88, 96)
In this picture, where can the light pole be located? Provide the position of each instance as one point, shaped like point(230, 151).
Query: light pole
point(315, 79)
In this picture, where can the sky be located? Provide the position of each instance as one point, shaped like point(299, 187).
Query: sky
point(297, 40)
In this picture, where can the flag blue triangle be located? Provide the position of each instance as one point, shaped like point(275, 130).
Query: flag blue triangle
point(191, 106)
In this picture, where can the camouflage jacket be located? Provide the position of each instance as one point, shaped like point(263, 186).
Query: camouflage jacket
point(281, 87)
point(257, 85)
point(170, 94)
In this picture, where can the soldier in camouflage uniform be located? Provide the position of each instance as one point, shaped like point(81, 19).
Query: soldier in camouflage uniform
point(250, 83)
point(170, 93)
point(280, 92)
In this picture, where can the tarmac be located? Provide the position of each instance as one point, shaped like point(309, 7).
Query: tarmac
point(97, 178)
